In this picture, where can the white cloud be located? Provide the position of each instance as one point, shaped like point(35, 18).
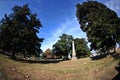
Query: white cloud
point(114, 5)
point(70, 26)
point(74, 29)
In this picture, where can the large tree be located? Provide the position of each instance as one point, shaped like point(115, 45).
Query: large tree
point(81, 48)
point(100, 24)
point(118, 32)
point(18, 32)
point(63, 46)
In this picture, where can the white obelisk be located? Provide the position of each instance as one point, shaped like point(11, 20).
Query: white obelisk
point(73, 51)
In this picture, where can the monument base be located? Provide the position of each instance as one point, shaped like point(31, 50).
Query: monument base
point(73, 58)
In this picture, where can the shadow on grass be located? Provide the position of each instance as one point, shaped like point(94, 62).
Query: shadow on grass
point(97, 57)
point(117, 57)
point(43, 61)
point(117, 77)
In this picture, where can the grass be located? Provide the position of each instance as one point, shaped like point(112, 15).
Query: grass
point(82, 69)
point(3, 74)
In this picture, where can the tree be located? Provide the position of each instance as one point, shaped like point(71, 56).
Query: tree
point(18, 32)
point(118, 32)
point(63, 46)
point(56, 49)
point(47, 52)
point(82, 50)
point(100, 23)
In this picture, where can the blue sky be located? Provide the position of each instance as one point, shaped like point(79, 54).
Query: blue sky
point(57, 17)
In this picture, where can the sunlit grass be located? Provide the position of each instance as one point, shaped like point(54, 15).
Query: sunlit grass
point(85, 69)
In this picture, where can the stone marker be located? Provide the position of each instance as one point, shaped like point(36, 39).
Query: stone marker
point(73, 51)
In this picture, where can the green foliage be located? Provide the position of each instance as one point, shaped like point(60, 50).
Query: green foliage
point(81, 48)
point(118, 32)
point(63, 46)
point(18, 32)
point(100, 23)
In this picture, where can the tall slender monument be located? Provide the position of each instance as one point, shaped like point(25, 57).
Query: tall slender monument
point(73, 51)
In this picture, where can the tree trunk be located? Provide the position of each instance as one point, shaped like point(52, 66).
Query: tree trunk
point(13, 55)
point(114, 50)
point(24, 55)
point(13, 51)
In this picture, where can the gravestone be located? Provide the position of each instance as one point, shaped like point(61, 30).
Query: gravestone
point(73, 51)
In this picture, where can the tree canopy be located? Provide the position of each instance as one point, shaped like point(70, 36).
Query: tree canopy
point(63, 47)
point(100, 24)
point(82, 50)
point(18, 32)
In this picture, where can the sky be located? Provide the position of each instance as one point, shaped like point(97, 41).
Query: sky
point(57, 17)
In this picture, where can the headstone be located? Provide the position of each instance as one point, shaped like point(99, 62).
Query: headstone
point(73, 51)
